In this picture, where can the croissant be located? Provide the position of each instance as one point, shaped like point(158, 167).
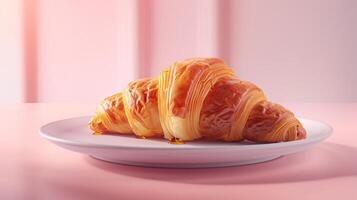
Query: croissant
point(194, 99)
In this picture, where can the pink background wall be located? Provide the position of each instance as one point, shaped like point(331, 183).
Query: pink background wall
point(82, 51)
point(11, 53)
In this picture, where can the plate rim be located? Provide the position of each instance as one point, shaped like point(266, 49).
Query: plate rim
point(257, 146)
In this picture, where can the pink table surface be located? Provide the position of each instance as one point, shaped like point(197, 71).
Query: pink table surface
point(33, 168)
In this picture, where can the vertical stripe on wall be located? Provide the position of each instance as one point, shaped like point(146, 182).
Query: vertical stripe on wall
point(207, 38)
point(128, 45)
point(30, 50)
point(144, 31)
point(224, 31)
point(161, 33)
point(11, 51)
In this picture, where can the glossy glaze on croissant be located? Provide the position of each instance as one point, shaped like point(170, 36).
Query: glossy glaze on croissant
point(193, 99)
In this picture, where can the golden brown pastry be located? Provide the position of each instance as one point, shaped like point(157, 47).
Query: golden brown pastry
point(194, 99)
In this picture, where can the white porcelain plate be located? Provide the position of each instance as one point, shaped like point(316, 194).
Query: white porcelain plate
point(73, 134)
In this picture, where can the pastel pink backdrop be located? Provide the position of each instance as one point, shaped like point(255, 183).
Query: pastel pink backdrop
point(82, 51)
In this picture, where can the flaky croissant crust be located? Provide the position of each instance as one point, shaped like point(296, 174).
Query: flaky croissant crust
point(193, 99)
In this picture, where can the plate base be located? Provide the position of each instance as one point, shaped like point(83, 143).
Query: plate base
point(186, 165)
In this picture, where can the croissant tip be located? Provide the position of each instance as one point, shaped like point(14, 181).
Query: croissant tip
point(96, 126)
point(301, 133)
point(295, 133)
